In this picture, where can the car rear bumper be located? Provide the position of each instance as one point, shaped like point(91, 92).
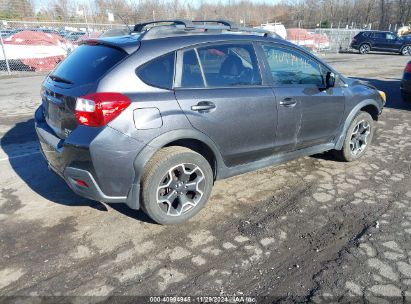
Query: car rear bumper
point(405, 87)
point(354, 46)
point(406, 95)
point(92, 167)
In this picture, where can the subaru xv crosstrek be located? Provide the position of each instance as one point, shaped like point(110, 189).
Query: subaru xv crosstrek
point(154, 118)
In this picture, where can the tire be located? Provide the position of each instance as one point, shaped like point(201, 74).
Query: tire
point(364, 48)
point(168, 175)
point(349, 150)
point(406, 50)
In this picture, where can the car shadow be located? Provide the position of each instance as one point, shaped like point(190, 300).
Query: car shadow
point(356, 52)
point(30, 166)
point(392, 90)
point(134, 214)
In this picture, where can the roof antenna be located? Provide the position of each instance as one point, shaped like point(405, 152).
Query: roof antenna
point(122, 19)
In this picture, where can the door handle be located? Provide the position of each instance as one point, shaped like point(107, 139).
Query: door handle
point(288, 102)
point(203, 106)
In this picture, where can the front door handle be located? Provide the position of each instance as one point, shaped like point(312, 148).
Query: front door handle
point(203, 106)
point(288, 102)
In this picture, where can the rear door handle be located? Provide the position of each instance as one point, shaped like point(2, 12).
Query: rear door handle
point(203, 106)
point(288, 102)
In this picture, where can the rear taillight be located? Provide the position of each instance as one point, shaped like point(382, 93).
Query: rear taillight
point(98, 109)
point(408, 68)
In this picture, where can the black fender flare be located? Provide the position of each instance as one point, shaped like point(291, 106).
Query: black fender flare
point(340, 139)
point(157, 143)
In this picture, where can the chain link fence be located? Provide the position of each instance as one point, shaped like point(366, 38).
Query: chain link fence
point(29, 46)
point(35, 47)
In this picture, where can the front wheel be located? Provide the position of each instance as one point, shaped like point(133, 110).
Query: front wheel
point(176, 184)
point(406, 50)
point(357, 139)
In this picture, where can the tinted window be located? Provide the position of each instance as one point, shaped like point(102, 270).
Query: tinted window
point(88, 63)
point(379, 35)
point(362, 34)
point(291, 67)
point(158, 72)
point(229, 65)
point(191, 72)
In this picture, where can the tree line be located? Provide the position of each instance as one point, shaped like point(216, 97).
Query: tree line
point(301, 13)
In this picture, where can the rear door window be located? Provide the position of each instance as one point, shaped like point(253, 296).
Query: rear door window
point(191, 75)
point(87, 64)
point(158, 72)
point(380, 35)
point(229, 65)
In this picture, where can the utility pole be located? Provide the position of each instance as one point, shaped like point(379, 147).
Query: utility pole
point(382, 12)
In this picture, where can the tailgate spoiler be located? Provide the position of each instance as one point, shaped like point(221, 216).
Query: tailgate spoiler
point(128, 44)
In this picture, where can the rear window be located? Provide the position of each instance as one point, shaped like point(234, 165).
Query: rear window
point(158, 72)
point(88, 63)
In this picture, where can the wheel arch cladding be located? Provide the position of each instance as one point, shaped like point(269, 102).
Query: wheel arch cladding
point(188, 138)
point(370, 106)
point(200, 147)
point(372, 110)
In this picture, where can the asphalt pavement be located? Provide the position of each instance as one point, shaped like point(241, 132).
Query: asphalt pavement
point(312, 230)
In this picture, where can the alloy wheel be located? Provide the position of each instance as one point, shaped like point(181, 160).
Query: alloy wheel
point(359, 137)
point(364, 49)
point(180, 189)
point(406, 50)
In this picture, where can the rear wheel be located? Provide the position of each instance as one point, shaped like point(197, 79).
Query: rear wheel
point(406, 50)
point(176, 184)
point(364, 48)
point(358, 138)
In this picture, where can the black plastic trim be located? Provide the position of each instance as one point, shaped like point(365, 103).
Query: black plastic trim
point(93, 190)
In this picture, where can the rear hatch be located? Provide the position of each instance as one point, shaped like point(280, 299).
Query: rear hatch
point(76, 76)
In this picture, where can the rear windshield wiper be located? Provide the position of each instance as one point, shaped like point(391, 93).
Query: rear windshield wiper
point(60, 79)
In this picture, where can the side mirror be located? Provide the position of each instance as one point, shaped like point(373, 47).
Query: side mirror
point(330, 80)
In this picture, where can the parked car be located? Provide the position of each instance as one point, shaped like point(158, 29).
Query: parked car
point(368, 41)
point(74, 36)
point(115, 32)
point(5, 33)
point(406, 83)
point(308, 40)
point(47, 31)
point(35, 50)
point(153, 122)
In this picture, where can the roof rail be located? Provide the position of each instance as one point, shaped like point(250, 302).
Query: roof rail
point(228, 23)
point(187, 24)
point(168, 28)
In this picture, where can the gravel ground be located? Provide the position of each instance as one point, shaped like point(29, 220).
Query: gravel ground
point(311, 230)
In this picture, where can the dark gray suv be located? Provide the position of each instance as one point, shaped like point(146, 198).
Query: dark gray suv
point(153, 118)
